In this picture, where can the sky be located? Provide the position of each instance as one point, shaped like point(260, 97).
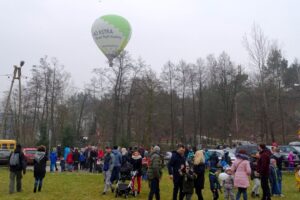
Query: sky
point(162, 30)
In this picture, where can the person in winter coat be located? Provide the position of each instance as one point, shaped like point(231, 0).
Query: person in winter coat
point(117, 161)
point(188, 177)
point(214, 160)
point(214, 183)
point(145, 165)
point(279, 162)
point(82, 161)
point(76, 157)
point(242, 170)
point(17, 164)
point(291, 159)
point(154, 173)
point(228, 185)
point(176, 162)
point(274, 178)
point(107, 169)
point(100, 154)
point(39, 169)
point(264, 170)
point(199, 170)
point(70, 161)
point(92, 159)
point(136, 161)
point(297, 177)
point(53, 159)
point(255, 177)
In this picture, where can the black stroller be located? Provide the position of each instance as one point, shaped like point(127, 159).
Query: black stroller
point(123, 186)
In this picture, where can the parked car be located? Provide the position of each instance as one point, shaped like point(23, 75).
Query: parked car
point(29, 155)
point(294, 143)
point(4, 156)
point(286, 149)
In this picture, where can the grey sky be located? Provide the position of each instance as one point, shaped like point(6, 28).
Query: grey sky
point(162, 30)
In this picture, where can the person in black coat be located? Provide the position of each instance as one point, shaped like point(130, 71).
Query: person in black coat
point(136, 161)
point(214, 160)
point(174, 166)
point(199, 170)
point(39, 169)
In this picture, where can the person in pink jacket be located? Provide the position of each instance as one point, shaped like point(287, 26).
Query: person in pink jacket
point(291, 159)
point(242, 171)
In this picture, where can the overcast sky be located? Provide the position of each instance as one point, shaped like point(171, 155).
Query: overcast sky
point(162, 30)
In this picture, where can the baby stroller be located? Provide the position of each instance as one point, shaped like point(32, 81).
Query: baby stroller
point(123, 186)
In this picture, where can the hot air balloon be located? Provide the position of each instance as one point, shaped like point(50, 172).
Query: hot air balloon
point(111, 33)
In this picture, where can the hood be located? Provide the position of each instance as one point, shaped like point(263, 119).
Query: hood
point(115, 151)
point(266, 151)
point(39, 156)
point(136, 157)
point(242, 156)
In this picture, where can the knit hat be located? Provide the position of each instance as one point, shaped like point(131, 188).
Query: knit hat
point(156, 149)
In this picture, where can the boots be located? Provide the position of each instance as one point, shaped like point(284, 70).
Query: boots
point(34, 190)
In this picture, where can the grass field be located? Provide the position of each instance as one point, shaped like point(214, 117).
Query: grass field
point(84, 186)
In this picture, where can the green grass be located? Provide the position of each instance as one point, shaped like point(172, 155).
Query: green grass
point(84, 186)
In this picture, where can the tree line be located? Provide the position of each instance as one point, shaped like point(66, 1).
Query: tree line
point(212, 100)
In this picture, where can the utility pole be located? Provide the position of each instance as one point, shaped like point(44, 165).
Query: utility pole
point(16, 75)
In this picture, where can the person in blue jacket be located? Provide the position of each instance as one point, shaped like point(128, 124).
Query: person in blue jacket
point(214, 183)
point(176, 163)
point(53, 159)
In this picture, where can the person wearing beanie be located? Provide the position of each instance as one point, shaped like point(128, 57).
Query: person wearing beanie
point(17, 164)
point(242, 170)
point(154, 173)
point(39, 169)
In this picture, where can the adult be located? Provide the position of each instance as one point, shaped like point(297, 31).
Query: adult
point(242, 171)
point(154, 173)
point(279, 161)
point(199, 170)
point(175, 164)
point(117, 161)
point(39, 169)
point(76, 159)
point(17, 164)
point(213, 160)
point(92, 159)
point(136, 161)
point(263, 166)
point(107, 169)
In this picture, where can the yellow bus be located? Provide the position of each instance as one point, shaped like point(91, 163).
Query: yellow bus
point(8, 144)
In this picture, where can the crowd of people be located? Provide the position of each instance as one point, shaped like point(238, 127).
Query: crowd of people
point(186, 169)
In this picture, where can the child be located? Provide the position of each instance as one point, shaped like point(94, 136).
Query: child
point(291, 159)
point(62, 164)
point(255, 177)
point(228, 185)
point(188, 181)
point(214, 183)
point(53, 158)
point(39, 170)
point(297, 176)
point(82, 161)
point(274, 178)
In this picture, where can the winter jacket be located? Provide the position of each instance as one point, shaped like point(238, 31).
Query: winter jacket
point(117, 158)
point(66, 152)
point(214, 160)
point(175, 164)
point(108, 162)
point(136, 161)
point(22, 162)
point(242, 171)
point(199, 170)
point(53, 157)
point(291, 158)
point(40, 163)
point(76, 156)
point(100, 154)
point(70, 158)
point(264, 162)
point(213, 180)
point(188, 182)
point(154, 170)
point(228, 183)
point(253, 166)
point(275, 175)
point(279, 160)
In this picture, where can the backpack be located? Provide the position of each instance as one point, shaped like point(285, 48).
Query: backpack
point(14, 160)
point(106, 164)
